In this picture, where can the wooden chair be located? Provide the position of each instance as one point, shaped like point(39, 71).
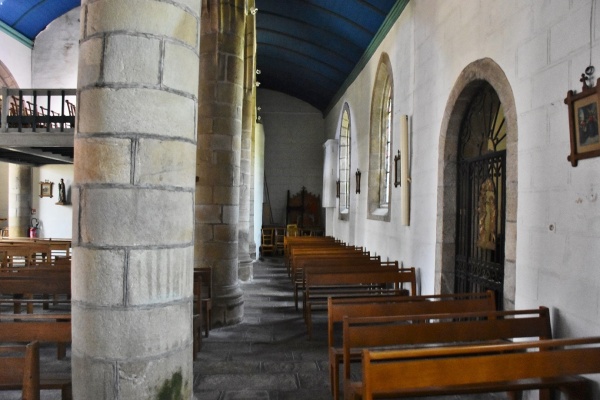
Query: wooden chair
point(205, 276)
point(267, 241)
point(197, 314)
point(72, 111)
point(292, 230)
point(279, 239)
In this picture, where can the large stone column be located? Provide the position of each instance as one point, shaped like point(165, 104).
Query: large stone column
point(19, 200)
point(133, 198)
point(218, 156)
point(248, 120)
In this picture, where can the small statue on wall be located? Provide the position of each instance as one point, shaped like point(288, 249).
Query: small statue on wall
point(62, 196)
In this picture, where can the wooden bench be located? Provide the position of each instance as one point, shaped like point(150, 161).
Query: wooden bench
point(291, 242)
point(438, 330)
point(51, 249)
point(343, 263)
point(555, 364)
point(197, 316)
point(23, 284)
point(322, 285)
point(302, 260)
point(42, 328)
point(204, 276)
point(316, 253)
point(338, 308)
point(21, 371)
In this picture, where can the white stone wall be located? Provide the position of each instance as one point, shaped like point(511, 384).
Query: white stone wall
point(55, 221)
point(56, 53)
point(293, 148)
point(17, 59)
point(542, 47)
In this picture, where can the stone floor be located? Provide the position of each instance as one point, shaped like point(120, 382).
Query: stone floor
point(266, 357)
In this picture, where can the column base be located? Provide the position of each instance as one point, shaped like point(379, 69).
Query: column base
point(228, 309)
point(246, 270)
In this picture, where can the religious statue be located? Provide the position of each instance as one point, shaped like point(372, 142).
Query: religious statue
point(62, 197)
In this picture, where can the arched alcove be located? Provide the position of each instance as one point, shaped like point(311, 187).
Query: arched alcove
point(458, 101)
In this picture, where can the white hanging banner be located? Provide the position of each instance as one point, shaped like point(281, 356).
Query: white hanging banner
point(404, 173)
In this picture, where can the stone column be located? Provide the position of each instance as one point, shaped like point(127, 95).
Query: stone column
point(19, 200)
point(248, 119)
point(218, 156)
point(133, 197)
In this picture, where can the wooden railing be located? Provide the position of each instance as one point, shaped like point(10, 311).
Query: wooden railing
point(37, 110)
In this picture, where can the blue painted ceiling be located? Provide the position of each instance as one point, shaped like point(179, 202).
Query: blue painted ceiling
point(305, 48)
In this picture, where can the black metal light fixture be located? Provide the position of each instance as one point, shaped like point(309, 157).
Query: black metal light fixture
point(358, 180)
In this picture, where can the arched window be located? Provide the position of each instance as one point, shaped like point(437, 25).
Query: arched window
point(386, 149)
point(380, 143)
point(344, 162)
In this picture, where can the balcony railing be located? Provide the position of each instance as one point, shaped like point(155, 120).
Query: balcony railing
point(37, 110)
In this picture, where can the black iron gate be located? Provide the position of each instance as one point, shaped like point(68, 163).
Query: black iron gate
point(481, 194)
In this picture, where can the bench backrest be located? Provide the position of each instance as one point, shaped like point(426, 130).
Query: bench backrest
point(44, 328)
point(440, 329)
point(337, 309)
point(452, 367)
point(50, 283)
point(21, 370)
point(396, 278)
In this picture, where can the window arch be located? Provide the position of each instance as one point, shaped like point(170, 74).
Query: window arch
point(344, 163)
point(380, 142)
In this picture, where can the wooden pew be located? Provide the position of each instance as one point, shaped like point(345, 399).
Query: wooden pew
point(338, 308)
point(322, 285)
point(291, 241)
point(320, 252)
point(438, 330)
point(21, 372)
point(546, 364)
point(197, 316)
point(42, 328)
point(204, 276)
point(340, 263)
point(325, 256)
point(49, 250)
point(28, 282)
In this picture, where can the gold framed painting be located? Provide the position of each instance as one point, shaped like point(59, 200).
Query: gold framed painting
point(584, 109)
point(46, 189)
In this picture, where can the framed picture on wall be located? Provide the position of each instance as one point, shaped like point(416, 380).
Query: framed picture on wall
point(46, 189)
point(584, 109)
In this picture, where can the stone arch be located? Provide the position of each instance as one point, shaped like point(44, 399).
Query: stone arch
point(6, 78)
point(481, 70)
point(383, 79)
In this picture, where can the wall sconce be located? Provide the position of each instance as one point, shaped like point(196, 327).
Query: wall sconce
point(337, 188)
point(358, 181)
point(397, 170)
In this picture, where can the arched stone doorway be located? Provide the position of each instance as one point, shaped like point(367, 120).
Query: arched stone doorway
point(6, 78)
point(465, 87)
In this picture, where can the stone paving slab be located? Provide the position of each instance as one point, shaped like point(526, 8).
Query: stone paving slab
point(268, 356)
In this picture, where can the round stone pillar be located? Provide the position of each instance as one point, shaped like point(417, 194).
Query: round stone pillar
point(133, 197)
point(248, 120)
point(19, 200)
point(218, 156)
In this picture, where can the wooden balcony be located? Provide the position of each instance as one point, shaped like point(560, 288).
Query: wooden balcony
point(37, 126)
